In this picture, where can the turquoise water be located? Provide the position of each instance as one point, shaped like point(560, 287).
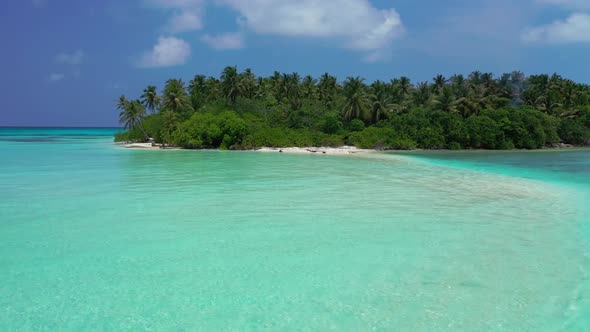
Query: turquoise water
point(96, 237)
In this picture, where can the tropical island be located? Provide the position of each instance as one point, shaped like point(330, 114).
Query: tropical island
point(240, 111)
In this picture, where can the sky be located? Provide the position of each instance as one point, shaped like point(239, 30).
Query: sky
point(65, 62)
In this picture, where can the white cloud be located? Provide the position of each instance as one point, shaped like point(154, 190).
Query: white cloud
point(169, 51)
point(188, 14)
point(225, 41)
point(186, 20)
point(574, 29)
point(355, 22)
point(74, 58)
point(376, 56)
point(175, 3)
point(56, 77)
point(573, 4)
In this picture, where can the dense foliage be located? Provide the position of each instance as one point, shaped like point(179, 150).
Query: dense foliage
point(242, 111)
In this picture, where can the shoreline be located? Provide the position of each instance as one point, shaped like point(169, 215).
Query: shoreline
point(343, 150)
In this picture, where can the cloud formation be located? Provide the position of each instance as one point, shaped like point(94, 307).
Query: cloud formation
point(188, 20)
point(188, 14)
point(573, 4)
point(573, 29)
point(74, 58)
point(168, 51)
point(224, 41)
point(356, 23)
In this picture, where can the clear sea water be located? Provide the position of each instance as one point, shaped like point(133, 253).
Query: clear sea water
point(96, 237)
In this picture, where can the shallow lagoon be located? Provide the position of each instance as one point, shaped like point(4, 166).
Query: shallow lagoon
point(97, 237)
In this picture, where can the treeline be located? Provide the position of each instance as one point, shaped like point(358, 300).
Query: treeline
point(243, 111)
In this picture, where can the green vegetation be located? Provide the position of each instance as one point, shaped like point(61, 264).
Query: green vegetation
point(242, 111)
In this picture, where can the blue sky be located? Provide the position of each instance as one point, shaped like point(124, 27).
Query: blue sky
point(65, 62)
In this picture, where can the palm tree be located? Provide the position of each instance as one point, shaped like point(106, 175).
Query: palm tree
point(405, 87)
point(445, 101)
point(275, 84)
point(263, 88)
point(230, 83)
point(169, 125)
point(198, 91)
point(309, 87)
point(122, 103)
point(290, 89)
point(487, 79)
point(150, 99)
point(356, 98)
point(380, 101)
point(175, 97)
point(475, 78)
point(213, 89)
point(464, 106)
point(131, 115)
point(422, 94)
point(458, 84)
point(247, 83)
point(505, 87)
point(439, 83)
point(327, 88)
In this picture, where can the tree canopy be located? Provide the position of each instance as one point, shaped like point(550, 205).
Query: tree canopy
point(241, 110)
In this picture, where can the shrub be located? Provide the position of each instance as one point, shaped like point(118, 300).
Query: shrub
point(356, 125)
point(484, 132)
point(381, 139)
point(204, 130)
point(331, 124)
point(574, 132)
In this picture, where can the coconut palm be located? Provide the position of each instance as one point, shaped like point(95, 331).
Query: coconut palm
point(421, 95)
point(291, 90)
point(122, 103)
point(132, 114)
point(439, 83)
point(445, 101)
point(213, 89)
point(475, 78)
point(247, 84)
point(230, 83)
point(327, 89)
point(380, 101)
point(169, 125)
point(308, 87)
point(458, 83)
point(356, 99)
point(404, 87)
point(175, 98)
point(150, 99)
point(197, 89)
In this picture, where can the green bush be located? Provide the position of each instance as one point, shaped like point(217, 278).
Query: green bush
point(122, 137)
point(205, 130)
point(574, 132)
point(454, 146)
point(484, 132)
point(381, 139)
point(356, 125)
point(331, 124)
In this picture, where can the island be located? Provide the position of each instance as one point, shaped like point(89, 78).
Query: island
point(242, 111)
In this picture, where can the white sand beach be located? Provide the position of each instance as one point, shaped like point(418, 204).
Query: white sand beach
point(344, 150)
